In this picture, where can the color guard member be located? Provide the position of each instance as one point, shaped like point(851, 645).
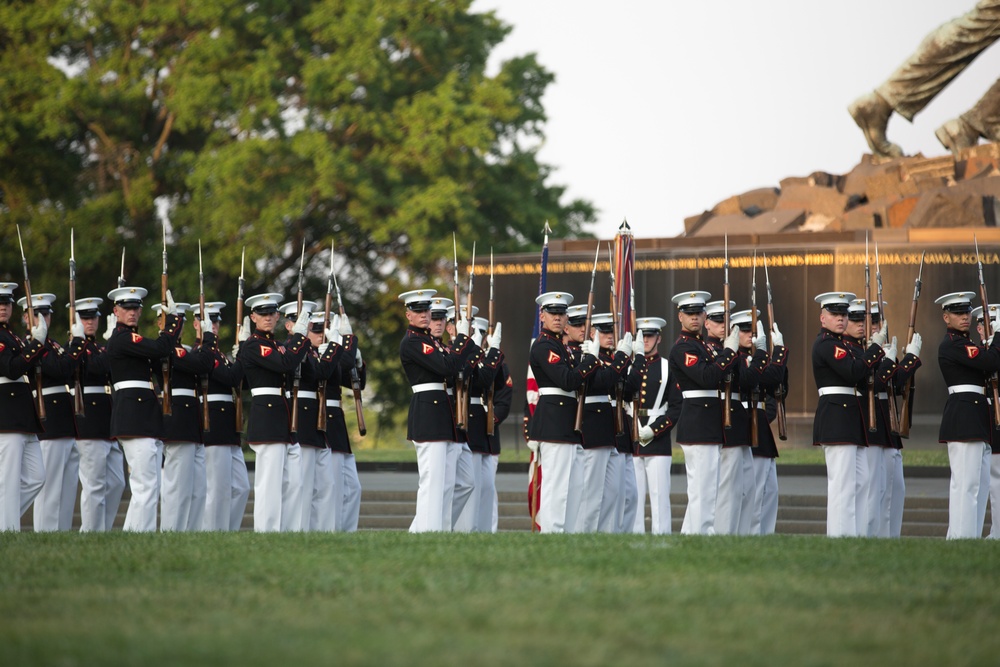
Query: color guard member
point(774, 376)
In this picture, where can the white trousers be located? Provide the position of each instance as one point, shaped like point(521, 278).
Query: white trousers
point(309, 485)
point(486, 521)
point(49, 512)
point(877, 489)
point(702, 466)
point(845, 466)
point(652, 473)
point(227, 488)
point(277, 486)
point(765, 508)
point(964, 497)
point(995, 497)
point(102, 482)
point(608, 520)
point(749, 496)
point(595, 472)
point(347, 502)
point(145, 460)
point(562, 486)
point(22, 474)
point(729, 501)
point(183, 489)
point(891, 519)
point(435, 485)
point(628, 498)
point(465, 483)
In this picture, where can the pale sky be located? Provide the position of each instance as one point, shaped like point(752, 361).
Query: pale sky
point(662, 108)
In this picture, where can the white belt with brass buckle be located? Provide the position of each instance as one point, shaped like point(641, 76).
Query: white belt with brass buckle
point(5, 380)
point(187, 393)
point(427, 386)
point(883, 396)
point(555, 391)
point(843, 391)
point(333, 403)
point(597, 399)
point(701, 393)
point(48, 391)
point(133, 384)
point(475, 400)
point(94, 389)
point(265, 391)
point(220, 398)
point(965, 389)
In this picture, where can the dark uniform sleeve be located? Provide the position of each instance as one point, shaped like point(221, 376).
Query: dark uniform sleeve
point(57, 366)
point(295, 350)
point(14, 364)
point(838, 357)
point(503, 391)
point(552, 370)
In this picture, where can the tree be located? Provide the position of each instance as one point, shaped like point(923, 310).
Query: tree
point(271, 125)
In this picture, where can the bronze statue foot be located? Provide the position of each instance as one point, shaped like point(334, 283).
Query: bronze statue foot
point(956, 134)
point(872, 113)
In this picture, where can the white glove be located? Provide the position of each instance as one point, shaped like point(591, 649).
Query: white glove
point(333, 331)
point(345, 326)
point(760, 340)
point(112, 321)
point(494, 339)
point(76, 331)
point(590, 347)
point(533, 446)
point(40, 330)
point(639, 344)
point(625, 344)
point(914, 346)
point(645, 435)
point(878, 338)
point(477, 337)
point(302, 323)
point(776, 337)
point(462, 327)
point(244, 330)
point(733, 339)
point(358, 363)
point(890, 349)
point(236, 350)
point(171, 304)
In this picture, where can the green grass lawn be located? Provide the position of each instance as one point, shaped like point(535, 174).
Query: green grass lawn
point(390, 598)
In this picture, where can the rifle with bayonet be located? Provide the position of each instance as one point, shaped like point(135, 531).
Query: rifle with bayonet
point(986, 334)
point(462, 388)
point(321, 418)
point(904, 415)
point(460, 378)
point(167, 407)
point(636, 400)
point(205, 321)
point(355, 377)
point(727, 418)
point(616, 411)
point(30, 312)
point(582, 392)
point(490, 415)
point(238, 389)
point(297, 379)
point(779, 391)
point(755, 393)
point(78, 404)
point(890, 388)
point(868, 340)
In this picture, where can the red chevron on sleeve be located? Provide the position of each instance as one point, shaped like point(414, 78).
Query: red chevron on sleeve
point(690, 359)
point(972, 351)
point(136, 338)
point(427, 349)
point(839, 353)
point(265, 350)
point(554, 358)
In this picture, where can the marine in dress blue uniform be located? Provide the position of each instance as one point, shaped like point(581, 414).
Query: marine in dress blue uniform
point(699, 369)
point(966, 424)
point(463, 464)
point(266, 367)
point(551, 432)
point(21, 470)
point(227, 484)
point(772, 378)
point(430, 423)
point(659, 408)
point(994, 466)
point(53, 507)
point(136, 414)
point(839, 426)
point(102, 464)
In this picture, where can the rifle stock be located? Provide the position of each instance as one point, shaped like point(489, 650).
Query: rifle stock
point(79, 407)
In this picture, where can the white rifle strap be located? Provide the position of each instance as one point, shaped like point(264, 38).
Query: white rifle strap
point(658, 407)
